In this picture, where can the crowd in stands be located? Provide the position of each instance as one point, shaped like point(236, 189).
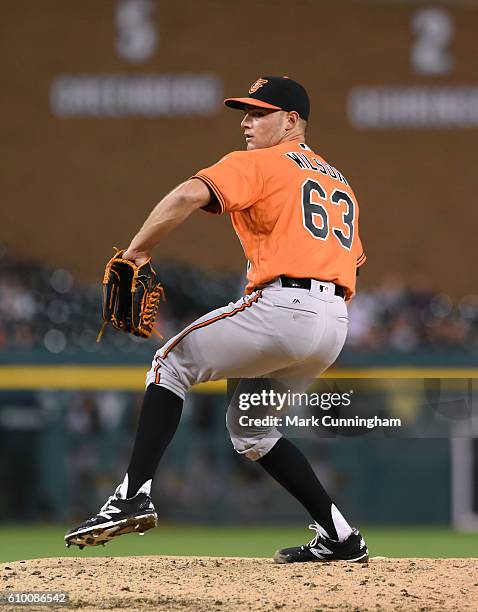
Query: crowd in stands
point(48, 309)
point(400, 317)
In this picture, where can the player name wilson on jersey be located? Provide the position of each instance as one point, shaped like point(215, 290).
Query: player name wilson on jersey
point(304, 162)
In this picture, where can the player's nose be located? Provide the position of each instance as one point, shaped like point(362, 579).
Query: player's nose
point(245, 122)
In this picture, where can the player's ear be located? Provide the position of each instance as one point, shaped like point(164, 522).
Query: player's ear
point(292, 119)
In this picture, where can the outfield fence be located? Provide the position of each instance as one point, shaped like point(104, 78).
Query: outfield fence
point(66, 433)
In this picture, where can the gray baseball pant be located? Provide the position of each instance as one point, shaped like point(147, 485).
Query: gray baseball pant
point(276, 332)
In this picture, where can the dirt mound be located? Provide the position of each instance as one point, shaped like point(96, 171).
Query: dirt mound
point(218, 583)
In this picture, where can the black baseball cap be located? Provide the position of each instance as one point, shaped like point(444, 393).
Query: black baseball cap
point(278, 93)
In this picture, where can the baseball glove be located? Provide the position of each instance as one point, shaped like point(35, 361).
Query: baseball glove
point(131, 296)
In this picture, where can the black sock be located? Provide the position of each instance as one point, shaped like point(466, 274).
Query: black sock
point(286, 464)
point(158, 421)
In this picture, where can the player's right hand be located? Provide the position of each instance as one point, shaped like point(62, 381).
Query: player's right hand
point(139, 257)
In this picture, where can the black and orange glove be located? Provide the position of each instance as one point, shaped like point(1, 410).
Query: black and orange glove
point(131, 296)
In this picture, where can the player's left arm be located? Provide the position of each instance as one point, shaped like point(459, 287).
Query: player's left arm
point(170, 212)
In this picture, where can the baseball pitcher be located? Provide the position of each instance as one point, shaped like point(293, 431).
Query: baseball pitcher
point(297, 219)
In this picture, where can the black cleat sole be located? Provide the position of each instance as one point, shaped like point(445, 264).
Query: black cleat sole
point(280, 558)
point(98, 535)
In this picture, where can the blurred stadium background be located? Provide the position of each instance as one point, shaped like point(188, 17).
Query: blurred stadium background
point(108, 105)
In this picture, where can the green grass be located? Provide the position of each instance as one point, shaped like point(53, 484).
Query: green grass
point(19, 542)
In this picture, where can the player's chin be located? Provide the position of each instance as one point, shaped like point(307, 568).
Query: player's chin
point(250, 144)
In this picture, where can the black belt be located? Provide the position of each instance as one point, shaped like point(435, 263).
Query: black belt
point(306, 283)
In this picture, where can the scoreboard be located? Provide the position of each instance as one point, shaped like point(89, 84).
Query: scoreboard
point(112, 103)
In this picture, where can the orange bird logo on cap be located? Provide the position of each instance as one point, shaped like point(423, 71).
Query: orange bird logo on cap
point(259, 83)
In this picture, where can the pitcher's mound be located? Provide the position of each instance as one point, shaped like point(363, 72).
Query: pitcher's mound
point(217, 583)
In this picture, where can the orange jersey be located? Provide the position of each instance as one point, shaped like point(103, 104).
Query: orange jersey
point(293, 213)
